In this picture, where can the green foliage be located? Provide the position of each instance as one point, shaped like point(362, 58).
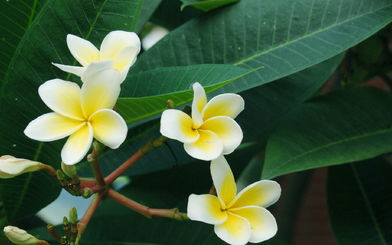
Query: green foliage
point(206, 5)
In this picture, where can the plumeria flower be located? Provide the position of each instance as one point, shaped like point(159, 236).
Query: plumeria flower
point(21, 237)
point(237, 218)
point(211, 131)
point(81, 113)
point(118, 47)
point(11, 166)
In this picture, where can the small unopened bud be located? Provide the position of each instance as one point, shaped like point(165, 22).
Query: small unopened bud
point(73, 215)
point(60, 175)
point(11, 166)
point(87, 192)
point(20, 237)
point(69, 170)
point(170, 104)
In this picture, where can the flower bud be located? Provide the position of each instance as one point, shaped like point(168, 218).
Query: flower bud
point(11, 167)
point(69, 170)
point(19, 236)
point(73, 215)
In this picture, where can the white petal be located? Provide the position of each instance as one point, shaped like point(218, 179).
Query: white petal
point(177, 125)
point(82, 50)
point(205, 208)
point(261, 193)
point(51, 126)
point(227, 130)
point(223, 179)
point(77, 70)
point(198, 103)
point(109, 127)
point(235, 230)
point(116, 41)
point(125, 58)
point(62, 97)
point(77, 145)
point(11, 167)
point(224, 105)
point(93, 70)
point(206, 148)
point(100, 91)
point(262, 222)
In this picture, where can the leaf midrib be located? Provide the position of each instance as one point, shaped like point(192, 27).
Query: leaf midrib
point(322, 147)
point(257, 54)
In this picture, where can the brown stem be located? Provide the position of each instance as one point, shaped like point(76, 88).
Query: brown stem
point(52, 171)
point(144, 210)
point(97, 170)
point(89, 213)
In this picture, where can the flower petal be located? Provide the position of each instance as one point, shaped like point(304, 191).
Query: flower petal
point(100, 91)
point(51, 126)
point(77, 70)
point(198, 103)
point(125, 58)
point(82, 50)
point(224, 105)
point(77, 145)
point(206, 148)
point(62, 97)
point(235, 230)
point(261, 193)
point(109, 128)
point(11, 167)
point(93, 70)
point(227, 130)
point(177, 125)
point(205, 208)
point(223, 179)
point(116, 41)
point(262, 222)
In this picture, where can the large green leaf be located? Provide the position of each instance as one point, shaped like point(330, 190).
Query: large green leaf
point(206, 5)
point(344, 126)
point(42, 43)
point(359, 202)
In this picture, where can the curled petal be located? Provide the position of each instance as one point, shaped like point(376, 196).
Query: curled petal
point(82, 50)
point(262, 222)
point(177, 125)
point(229, 105)
point(62, 97)
point(109, 127)
point(223, 179)
point(198, 103)
point(227, 130)
point(76, 70)
point(235, 230)
point(77, 145)
point(261, 193)
point(100, 91)
point(51, 126)
point(209, 146)
point(116, 41)
point(205, 208)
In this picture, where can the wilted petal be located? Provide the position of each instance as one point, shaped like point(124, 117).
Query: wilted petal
point(262, 222)
point(116, 41)
point(177, 125)
point(100, 91)
point(205, 208)
point(198, 103)
point(51, 126)
point(227, 130)
point(62, 97)
point(223, 179)
point(209, 146)
point(223, 105)
point(235, 230)
point(82, 50)
point(109, 127)
point(77, 145)
point(77, 70)
point(261, 193)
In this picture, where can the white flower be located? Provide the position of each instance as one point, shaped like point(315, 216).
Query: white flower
point(118, 50)
point(81, 113)
point(11, 167)
point(237, 218)
point(19, 236)
point(211, 131)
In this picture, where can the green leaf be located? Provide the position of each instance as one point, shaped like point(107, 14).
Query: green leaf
point(115, 243)
point(175, 84)
point(359, 202)
point(341, 127)
point(206, 5)
point(42, 43)
point(283, 36)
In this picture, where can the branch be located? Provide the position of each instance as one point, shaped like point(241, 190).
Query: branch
point(89, 213)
